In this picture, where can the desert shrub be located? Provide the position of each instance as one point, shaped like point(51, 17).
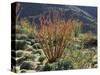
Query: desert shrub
point(58, 65)
point(80, 58)
point(53, 38)
point(47, 67)
point(24, 27)
point(76, 27)
point(88, 40)
point(64, 65)
point(18, 29)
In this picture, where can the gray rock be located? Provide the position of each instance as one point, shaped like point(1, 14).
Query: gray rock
point(42, 58)
point(39, 51)
point(23, 71)
point(21, 36)
point(28, 65)
point(20, 44)
point(29, 56)
point(37, 57)
point(36, 46)
point(33, 41)
point(28, 42)
point(19, 53)
point(39, 68)
point(19, 61)
point(28, 48)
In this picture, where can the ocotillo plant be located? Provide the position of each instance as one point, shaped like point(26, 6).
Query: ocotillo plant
point(53, 37)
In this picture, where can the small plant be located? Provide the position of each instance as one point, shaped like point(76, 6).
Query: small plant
point(59, 65)
point(76, 27)
point(47, 67)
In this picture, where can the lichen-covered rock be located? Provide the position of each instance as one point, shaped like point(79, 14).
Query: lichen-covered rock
point(42, 58)
point(19, 53)
point(19, 61)
point(20, 44)
point(21, 36)
point(37, 57)
point(39, 68)
point(28, 48)
point(16, 69)
point(29, 56)
point(23, 71)
point(36, 46)
point(33, 41)
point(28, 42)
point(28, 65)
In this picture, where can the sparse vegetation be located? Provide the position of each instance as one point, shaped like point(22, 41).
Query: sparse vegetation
point(55, 45)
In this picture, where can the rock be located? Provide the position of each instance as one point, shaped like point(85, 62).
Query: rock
point(19, 61)
point(94, 58)
point(42, 58)
point(29, 56)
point(40, 51)
point(21, 36)
point(28, 42)
point(20, 44)
point(37, 57)
point(23, 71)
point(39, 68)
point(31, 36)
point(33, 41)
point(28, 65)
point(19, 53)
point(28, 48)
point(16, 69)
point(36, 46)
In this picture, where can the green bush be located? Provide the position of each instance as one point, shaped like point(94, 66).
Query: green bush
point(47, 67)
point(58, 65)
point(76, 28)
point(64, 65)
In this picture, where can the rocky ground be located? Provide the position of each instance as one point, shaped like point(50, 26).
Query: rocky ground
point(31, 58)
point(29, 55)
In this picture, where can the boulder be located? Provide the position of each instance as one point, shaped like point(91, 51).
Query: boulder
point(21, 36)
point(28, 42)
point(39, 68)
point(20, 44)
point(19, 53)
point(36, 46)
point(23, 71)
point(19, 60)
point(28, 65)
point(28, 48)
point(29, 56)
